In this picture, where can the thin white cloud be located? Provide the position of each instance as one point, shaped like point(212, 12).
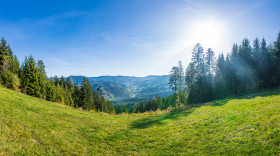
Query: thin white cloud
point(191, 6)
point(61, 16)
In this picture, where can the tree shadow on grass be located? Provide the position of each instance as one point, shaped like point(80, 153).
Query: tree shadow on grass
point(159, 119)
point(218, 102)
point(264, 93)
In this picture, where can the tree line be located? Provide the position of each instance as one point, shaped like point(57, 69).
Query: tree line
point(30, 78)
point(247, 68)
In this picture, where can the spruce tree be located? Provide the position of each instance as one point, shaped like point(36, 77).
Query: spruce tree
point(51, 90)
point(62, 82)
point(30, 78)
point(86, 96)
point(181, 77)
point(71, 90)
point(276, 63)
point(59, 94)
point(76, 96)
point(42, 79)
point(4, 55)
point(173, 79)
point(56, 80)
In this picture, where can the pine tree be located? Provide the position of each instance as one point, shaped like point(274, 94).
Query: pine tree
point(87, 95)
point(62, 82)
point(276, 62)
point(181, 77)
point(265, 66)
point(247, 71)
point(51, 90)
point(56, 80)
point(97, 100)
point(234, 66)
point(173, 79)
point(210, 61)
point(76, 96)
point(42, 79)
point(71, 90)
point(30, 80)
point(59, 94)
point(15, 65)
point(197, 76)
point(4, 55)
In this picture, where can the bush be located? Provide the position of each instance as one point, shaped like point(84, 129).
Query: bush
point(10, 80)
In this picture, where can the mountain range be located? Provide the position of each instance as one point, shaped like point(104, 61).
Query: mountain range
point(127, 87)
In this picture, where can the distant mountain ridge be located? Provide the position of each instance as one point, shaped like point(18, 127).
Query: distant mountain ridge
point(125, 87)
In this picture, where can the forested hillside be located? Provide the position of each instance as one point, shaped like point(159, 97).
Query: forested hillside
point(30, 78)
point(247, 68)
point(126, 87)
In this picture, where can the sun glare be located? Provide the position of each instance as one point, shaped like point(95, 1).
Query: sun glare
point(208, 33)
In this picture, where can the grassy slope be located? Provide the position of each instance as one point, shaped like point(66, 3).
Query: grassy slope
point(249, 124)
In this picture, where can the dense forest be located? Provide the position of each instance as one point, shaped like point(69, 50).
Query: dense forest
point(247, 68)
point(30, 78)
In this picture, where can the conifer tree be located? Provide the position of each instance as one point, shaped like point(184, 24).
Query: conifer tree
point(86, 96)
point(14, 68)
point(76, 96)
point(71, 90)
point(181, 77)
point(276, 63)
point(51, 90)
point(30, 78)
point(4, 55)
point(42, 79)
point(173, 79)
point(62, 82)
point(98, 101)
point(59, 94)
point(56, 80)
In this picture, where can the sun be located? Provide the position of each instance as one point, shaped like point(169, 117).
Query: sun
point(208, 33)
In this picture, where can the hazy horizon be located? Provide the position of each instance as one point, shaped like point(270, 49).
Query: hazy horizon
point(105, 76)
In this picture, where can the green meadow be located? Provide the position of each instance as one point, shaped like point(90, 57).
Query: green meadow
point(246, 125)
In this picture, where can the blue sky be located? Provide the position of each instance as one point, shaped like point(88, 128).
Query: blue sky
point(130, 37)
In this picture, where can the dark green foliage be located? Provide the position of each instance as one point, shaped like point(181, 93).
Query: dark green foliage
point(9, 67)
point(51, 90)
point(173, 80)
point(31, 78)
point(245, 69)
point(42, 79)
point(276, 61)
point(71, 90)
point(10, 80)
point(155, 104)
point(76, 96)
point(87, 95)
point(62, 82)
point(56, 80)
point(4, 55)
point(199, 75)
point(176, 79)
point(14, 66)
